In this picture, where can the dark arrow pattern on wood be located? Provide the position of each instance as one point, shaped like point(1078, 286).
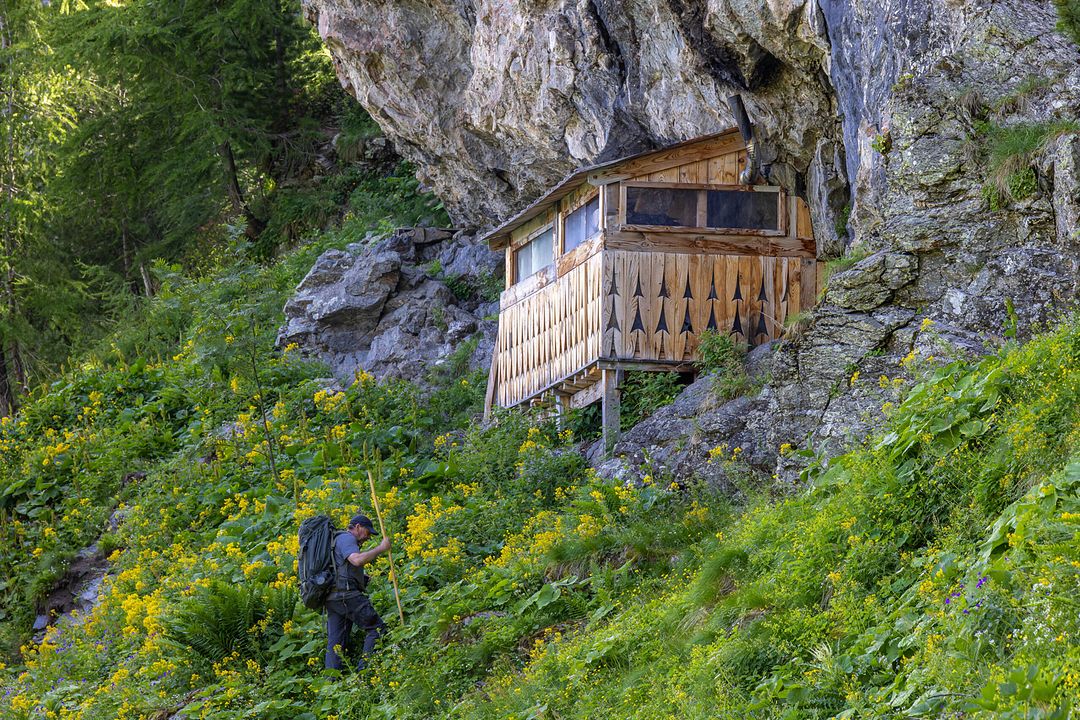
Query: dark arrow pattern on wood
point(687, 324)
point(665, 333)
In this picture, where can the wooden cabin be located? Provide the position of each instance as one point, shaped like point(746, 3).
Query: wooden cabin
point(622, 266)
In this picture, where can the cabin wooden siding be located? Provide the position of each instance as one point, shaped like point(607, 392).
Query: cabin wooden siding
point(549, 335)
point(634, 307)
point(721, 169)
point(657, 304)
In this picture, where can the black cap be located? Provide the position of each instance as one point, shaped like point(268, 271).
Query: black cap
point(362, 521)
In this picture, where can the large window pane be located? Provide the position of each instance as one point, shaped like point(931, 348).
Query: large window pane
point(744, 209)
point(582, 224)
point(661, 206)
point(534, 255)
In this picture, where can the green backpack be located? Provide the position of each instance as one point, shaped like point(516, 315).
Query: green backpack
point(315, 560)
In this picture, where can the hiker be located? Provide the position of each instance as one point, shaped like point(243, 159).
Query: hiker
point(348, 604)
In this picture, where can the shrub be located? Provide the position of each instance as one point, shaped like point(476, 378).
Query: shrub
point(1069, 18)
point(645, 392)
point(222, 619)
point(720, 355)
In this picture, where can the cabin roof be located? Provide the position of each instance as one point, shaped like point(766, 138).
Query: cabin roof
point(499, 238)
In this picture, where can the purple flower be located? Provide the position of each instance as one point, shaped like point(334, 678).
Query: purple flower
point(982, 581)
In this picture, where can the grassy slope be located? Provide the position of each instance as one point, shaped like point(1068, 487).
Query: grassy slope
point(932, 570)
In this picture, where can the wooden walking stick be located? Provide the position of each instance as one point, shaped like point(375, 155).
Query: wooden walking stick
point(389, 553)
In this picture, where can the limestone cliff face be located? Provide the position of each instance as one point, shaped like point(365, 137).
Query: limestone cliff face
point(880, 105)
point(495, 100)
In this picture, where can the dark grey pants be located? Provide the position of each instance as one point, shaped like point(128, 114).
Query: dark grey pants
point(343, 610)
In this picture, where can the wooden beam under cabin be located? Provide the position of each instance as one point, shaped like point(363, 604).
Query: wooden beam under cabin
point(646, 365)
point(587, 396)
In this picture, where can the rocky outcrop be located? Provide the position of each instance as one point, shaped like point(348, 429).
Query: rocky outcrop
point(396, 306)
point(890, 110)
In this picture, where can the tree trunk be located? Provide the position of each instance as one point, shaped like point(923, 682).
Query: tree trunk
point(255, 224)
point(7, 390)
point(281, 81)
point(148, 282)
point(8, 401)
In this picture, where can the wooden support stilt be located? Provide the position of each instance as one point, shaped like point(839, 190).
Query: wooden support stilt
point(562, 409)
point(610, 408)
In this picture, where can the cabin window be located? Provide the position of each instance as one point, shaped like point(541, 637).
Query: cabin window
point(534, 255)
point(694, 207)
point(742, 209)
point(661, 206)
point(582, 224)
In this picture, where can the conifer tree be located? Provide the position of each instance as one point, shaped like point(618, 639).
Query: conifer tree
point(192, 104)
point(33, 119)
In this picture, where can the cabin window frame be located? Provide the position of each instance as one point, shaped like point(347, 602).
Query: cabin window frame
point(572, 208)
point(704, 188)
point(521, 244)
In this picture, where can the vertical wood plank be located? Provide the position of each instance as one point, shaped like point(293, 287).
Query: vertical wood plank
point(629, 303)
point(808, 284)
point(611, 215)
point(731, 172)
point(772, 320)
point(672, 280)
point(598, 312)
point(716, 170)
point(735, 283)
point(695, 172)
point(611, 295)
point(680, 305)
point(803, 228)
point(753, 305)
point(651, 266)
point(701, 272)
point(780, 290)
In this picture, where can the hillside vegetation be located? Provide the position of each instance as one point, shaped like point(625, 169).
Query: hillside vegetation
point(174, 184)
point(933, 569)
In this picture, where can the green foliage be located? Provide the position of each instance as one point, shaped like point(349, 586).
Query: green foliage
point(1069, 18)
point(1011, 151)
point(645, 392)
point(722, 357)
point(882, 143)
point(1025, 90)
point(842, 219)
point(222, 619)
point(845, 262)
point(486, 288)
point(931, 571)
point(148, 131)
point(183, 107)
